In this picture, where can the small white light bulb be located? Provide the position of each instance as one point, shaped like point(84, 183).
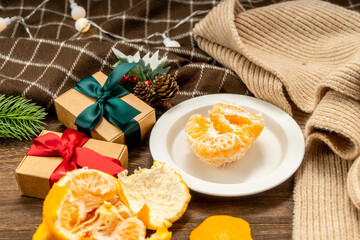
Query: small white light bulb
point(171, 43)
point(81, 23)
point(77, 11)
point(4, 22)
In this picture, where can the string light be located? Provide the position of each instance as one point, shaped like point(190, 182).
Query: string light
point(166, 40)
point(4, 22)
point(171, 43)
point(77, 11)
point(82, 24)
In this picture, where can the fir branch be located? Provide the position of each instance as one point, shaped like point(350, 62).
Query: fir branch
point(20, 118)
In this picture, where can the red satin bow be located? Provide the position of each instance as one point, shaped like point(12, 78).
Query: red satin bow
point(69, 148)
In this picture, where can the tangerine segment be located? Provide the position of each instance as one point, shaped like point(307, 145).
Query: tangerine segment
point(92, 184)
point(222, 227)
point(211, 146)
point(86, 204)
point(222, 125)
point(232, 118)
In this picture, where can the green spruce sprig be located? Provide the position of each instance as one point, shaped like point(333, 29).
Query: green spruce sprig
point(20, 118)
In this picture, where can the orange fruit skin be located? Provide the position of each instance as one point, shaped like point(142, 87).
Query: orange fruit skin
point(144, 216)
point(160, 234)
point(226, 137)
point(52, 203)
point(42, 233)
point(222, 227)
point(163, 193)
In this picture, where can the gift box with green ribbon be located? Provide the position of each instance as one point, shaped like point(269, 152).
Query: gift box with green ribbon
point(101, 108)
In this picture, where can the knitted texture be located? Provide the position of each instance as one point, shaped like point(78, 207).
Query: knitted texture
point(304, 57)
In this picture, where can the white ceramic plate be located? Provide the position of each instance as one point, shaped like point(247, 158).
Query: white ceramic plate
point(273, 158)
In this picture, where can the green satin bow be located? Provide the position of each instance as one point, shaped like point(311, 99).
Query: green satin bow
point(108, 105)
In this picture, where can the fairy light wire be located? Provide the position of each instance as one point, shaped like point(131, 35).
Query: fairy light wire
point(136, 40)
point(22, 20)
point(35, 9)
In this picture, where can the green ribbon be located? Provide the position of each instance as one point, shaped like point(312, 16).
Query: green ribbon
point(108, 105)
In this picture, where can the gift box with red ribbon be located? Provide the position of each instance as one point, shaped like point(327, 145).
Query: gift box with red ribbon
point(53, 154)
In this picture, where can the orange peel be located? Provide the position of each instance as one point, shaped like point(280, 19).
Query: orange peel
point(158, 196)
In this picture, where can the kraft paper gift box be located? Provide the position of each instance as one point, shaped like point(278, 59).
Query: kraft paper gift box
point(70, 104)
point(33, 172)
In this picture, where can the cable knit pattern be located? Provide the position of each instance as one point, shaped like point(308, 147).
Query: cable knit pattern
point(303, 56)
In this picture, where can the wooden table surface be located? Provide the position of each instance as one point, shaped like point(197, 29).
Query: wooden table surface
point(269, 213)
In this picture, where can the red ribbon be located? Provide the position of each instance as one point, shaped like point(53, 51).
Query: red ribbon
point(75, 156)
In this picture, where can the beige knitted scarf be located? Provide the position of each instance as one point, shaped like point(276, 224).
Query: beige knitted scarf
point(304, 57)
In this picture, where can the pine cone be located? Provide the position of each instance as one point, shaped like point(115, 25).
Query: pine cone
point(144, 92)
point(165, 86)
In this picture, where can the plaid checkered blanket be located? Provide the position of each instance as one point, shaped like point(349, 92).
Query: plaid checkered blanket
point(43, 67)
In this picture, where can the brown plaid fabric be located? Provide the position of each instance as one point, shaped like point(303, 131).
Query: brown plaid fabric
point(49, 64)
point(44, 67)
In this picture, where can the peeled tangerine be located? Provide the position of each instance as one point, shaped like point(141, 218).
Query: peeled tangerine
point(89, 204)
point(226, 137)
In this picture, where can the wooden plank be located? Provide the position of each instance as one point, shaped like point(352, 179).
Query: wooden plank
point(269, 213)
